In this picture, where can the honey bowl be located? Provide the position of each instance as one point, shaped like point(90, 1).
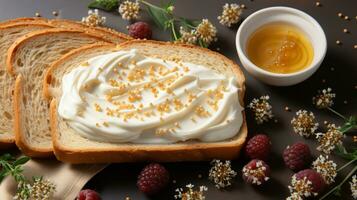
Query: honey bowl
point(281, 46)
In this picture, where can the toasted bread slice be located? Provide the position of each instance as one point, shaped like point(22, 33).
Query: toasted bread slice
point(15, 28)
point(29, 57)
point(70, 147)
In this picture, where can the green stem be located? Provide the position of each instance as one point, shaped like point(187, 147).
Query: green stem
point(337, 113)
point(173, 30)
point(151, 5)
point(347, 164)
point(339, 185)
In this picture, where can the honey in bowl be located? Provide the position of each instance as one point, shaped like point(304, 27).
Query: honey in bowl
point(280, 48)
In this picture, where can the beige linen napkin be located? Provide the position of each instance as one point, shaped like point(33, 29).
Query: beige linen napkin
point(69, 179)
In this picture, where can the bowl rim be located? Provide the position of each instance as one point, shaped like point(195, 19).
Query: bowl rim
point(313, 66)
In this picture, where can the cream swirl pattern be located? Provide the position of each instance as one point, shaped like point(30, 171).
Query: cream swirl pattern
point(126, 97)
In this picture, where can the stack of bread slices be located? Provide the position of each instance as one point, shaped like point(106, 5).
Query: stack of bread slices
point(37, 52)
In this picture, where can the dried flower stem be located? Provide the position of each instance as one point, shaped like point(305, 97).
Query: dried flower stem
point(338, 187)
point(345, 165)
point(337, 113)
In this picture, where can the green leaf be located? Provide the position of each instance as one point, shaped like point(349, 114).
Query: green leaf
point(341, 151)
point(7, 157)
point(107, 5)
point(22, 160)
point(159, 15)
point(187, 23)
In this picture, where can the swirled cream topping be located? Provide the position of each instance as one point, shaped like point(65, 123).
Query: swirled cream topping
point(125, 97)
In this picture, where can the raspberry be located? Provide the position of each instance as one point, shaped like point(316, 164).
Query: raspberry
point(140, 30)
point(297, 156)
point(256, 172)
point(317, 182)
point(258, 147)
point(88, 194)
point(153, 178)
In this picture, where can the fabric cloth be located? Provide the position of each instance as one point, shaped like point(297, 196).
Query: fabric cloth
point(69, 179)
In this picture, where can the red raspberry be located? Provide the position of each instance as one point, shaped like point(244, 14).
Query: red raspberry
point(317, 182)
point(88, 194)
point(140, 30)
point(297, 156)
point(153, 178)
point(258, 147)
point(256, 172)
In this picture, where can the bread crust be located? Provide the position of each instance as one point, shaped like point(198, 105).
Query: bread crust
point(19, 138)
point(140, 152)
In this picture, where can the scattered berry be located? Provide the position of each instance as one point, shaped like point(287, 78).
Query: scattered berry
point(256, 172)
point(258, 147)
point(140, 30)
point(316, 180)
point(297, 156)
point(152, 179)
point(88, 194)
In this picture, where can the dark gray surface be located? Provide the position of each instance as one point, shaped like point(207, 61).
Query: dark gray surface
point(118, 180)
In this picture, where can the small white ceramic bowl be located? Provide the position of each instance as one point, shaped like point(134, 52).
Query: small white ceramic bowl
point(295, 17)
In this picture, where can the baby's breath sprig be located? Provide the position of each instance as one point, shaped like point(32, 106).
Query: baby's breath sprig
point(94, 18)
point(304, 123)
point(197, 32)
point(262, 109)
point(38, 188)
point(353, 185)
point(230, 14)
point(221, 173)
point(190, 193)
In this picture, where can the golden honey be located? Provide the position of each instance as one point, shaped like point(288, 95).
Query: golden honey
point(280, 48)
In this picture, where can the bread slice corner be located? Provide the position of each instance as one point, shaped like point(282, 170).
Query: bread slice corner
point(71, 147)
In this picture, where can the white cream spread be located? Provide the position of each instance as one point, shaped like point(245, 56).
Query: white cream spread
point(127, 97)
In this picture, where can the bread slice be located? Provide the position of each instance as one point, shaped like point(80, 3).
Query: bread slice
point(8, 34)
point(11, 30)
point(71, 147)
point(29, 57)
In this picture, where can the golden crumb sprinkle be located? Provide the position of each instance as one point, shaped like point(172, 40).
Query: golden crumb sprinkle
point(201, 111)
point(97, 107)
point(134, 95)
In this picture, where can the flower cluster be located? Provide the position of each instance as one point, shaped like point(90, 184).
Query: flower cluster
point(300, 188)
point(326, 168)
point(129, 10)
point(353, 185)
point(230, 15)
point(262, 109)
point(190, 193)
point(187, 37)
point(93, 18)
point(329, 140)
point(324, 98)
point(42, 189)
point(221, 173)
point(206, 32)
point(304, 123)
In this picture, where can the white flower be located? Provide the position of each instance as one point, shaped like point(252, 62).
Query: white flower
point(329, 140)
point(304, 123)
point(206, 32)
point(301, 187)
point(93, 18)
point(262, 109)
point(326, 168)
point(230, 14)
point(221, 173)
point(190, 193)
point(324, 98)
point(187, 37)
point(129, 10)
